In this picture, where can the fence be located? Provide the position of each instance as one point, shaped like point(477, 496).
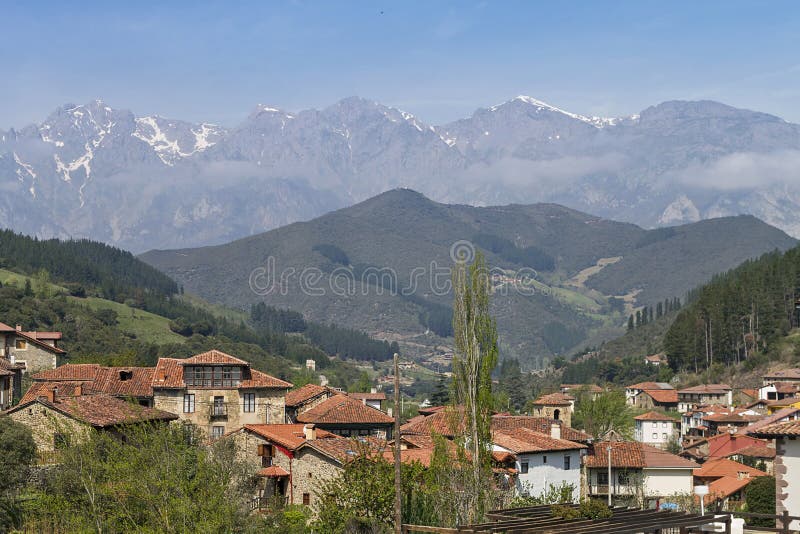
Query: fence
point(784, 519)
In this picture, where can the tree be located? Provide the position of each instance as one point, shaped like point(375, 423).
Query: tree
point(630, 322)
point(607, 411)
point(441, 396)
point(475, 358)
point(760, 499)
point(19, 453)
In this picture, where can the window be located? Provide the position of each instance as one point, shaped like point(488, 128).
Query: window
point(523, 467)
point(188, 403)
point(217, 431)
point(664, 436)
point(216, 376)
point(663, 425)
point(567, 461)
point(219, 406)
point(623, 479)
point(602, 478)
point(20, 344)
point(249, 402)
point(544, 459)
point(363, 432)
point(60, 441)
point(345, 433)
point(306, 499)
point(655, 435)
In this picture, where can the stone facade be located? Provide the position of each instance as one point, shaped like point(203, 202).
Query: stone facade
point(49, 427)
point(787, 478)
point(558, 412)
point(36, 355)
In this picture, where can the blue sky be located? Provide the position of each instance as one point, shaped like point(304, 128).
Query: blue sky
point(438, 59)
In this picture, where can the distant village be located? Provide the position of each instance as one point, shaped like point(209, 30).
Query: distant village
point(707, 435)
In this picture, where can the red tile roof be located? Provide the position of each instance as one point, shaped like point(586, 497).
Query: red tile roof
point(713, 389)
point(69, 371)
point(290, 436)
point(539, 424)
point(303, 394)
point(263, 380)
point(125, 381)
point(784, 414)
point(102, 411)
point(662, 396)
point(35, 337)
point(447, 422)
point(369, 396)
point(66, 388)
point(654, 416)
point(723, 467)
point(524, 440)
point(555, 399)
point(650, 385)
point(345, 449)
point(755, 451)
point(777, 430)
point(793, 374)
point(341, 409)
point(44, 335)
point(169, 372)
point(725, 444)
point(724, 487)
point(632, 454)
point(214, 357)
point(272, 471)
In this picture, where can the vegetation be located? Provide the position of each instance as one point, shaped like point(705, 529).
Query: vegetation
point(532, 256)
point(760, 499)
point(588, 509)
point(604, 412)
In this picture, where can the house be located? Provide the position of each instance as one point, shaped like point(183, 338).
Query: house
point(787, 465)
point(34, 351)
point(720, 446)
point(373, 399)
point(558, 406)
point(346, 416)
point(218, 392)
point(656, 360)
point(656, 429)
point(785, 375)
point(541, 460)
point(778, 390)
point(10, 382)
point(652, 395)
point(726, 481)
point(647, 475)
point(57, 422)
point(576, 389)
point(729, 422)
point(304, 398)
point(778, 405)
point(704, 394)
point(90, 378)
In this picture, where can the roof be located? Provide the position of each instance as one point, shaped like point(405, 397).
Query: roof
point(125, 381)
point(654, 416)
point(713, 389)
point(9, 368)
point(750, 392)
point(793, 374)
point(786, 387)
point(169, 371)
point(724, 444)
point(788, 401)
point(341, 409)
point(67, 388)
point(345, 449)
point(732, 418)
point(272, 471)
point(662, 396)
point(724, 487)
point(37, 338)
point(632, 454)
point(44, 335)
point(755, 451)
point(656, 358)
point(539, 424)
point(777, 417)
point(650, 385)
point(102, 411)
point(214, 357)
point(380, 395)
point(418, 441)
point(555, 399)
point(69, 371)
point(723, 467)
point(305, 393)
point(524, 440)
point(777, 430)
point(290, 436)
point(592, 388)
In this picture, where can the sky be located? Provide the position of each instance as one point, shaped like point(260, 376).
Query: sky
point(441, 60)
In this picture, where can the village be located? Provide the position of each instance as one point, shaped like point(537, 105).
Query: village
point(707, 436)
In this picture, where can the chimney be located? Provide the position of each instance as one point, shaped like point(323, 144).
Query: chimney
point(162, 375)
point(555, 431)
point(310, 432)
point(373, 390)
point(79, 390)
point(50, 395)
point(19, 328)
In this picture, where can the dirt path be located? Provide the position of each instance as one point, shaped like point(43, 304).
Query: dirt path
point(579, 280)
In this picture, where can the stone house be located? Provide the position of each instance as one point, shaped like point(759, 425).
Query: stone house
point(373, 399)
point(217, 392)
point(541, 460)
point(34, 351)
point(703, 395)
point(641, 473)
point(656, 429)
point(10, 382)
point(785, 375)
point(346, 416)
point(558, 406)
point(304, 398)
point(787, 465)
point(652, 396)
point(58, 422)
point(130, 383)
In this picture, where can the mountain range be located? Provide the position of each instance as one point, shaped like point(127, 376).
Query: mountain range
point(148, 182)
point(562, 279)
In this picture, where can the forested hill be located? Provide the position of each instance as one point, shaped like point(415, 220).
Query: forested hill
point(739, 316)
point(83, 262)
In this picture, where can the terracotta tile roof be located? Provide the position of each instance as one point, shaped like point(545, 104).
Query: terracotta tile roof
point(539, 424)
point(430, 410)
point(650, 385)
point(662, 396)
point(632, 454)
point(303, 394)
point(786, 387)
point(263, 380)
point(44, 335)
point(447, 422)
point(214, 357)
point(368, 396)
point(724, 467)
point(289, 436)
point(788, 401)
point(713, 389)
point(555, 399)
point(69, 371)
point(724, 444)
point(524, 440)
point(66, 388)
point(418, 441)
point(591, 388)
point(776, 430)
point(755, 451)
point(341, 409)
point(8, 367)
point(102, 411)
point(750, 392)
point(169, 374)
point(35, 337)
point(654, 416)
point(793, 374)
point(724, 487)
point(345, 449)
point(272, 471)
point(789, 413)
point(125, 381)
point(409, 456)
point(732, 418)
point(503, 456)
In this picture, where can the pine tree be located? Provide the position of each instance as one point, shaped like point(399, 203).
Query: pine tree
point(630, 322)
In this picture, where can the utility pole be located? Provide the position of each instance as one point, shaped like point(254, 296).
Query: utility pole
point(398, 513)
point(608, 448)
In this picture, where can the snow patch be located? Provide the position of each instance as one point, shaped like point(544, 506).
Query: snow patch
point(597, 122)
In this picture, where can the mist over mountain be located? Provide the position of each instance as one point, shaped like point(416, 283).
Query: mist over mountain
point(148, 182)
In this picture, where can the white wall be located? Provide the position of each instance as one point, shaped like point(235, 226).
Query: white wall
point(543, 474)
point(789, 451)
point(664, 482)
point(663, 430)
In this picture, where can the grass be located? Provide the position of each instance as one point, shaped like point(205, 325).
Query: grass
point(147, 327)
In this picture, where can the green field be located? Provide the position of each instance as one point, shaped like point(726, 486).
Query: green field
point(147, 327)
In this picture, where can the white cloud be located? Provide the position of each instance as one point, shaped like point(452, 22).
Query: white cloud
point(743, 171)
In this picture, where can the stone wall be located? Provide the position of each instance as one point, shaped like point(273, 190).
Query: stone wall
point(36, 358)
point(564, 413)
point(45, 423)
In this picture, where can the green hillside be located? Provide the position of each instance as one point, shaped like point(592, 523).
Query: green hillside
point(587, 273)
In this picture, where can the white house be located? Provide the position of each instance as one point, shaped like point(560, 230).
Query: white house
point(787, 465)
point(542, 460)
point(638, 471)
point(656, 429)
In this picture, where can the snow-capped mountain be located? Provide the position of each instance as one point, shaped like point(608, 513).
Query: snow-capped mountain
point(150, 182)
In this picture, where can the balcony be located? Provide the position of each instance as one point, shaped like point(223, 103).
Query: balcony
point(602, 489)
point(218, 412)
